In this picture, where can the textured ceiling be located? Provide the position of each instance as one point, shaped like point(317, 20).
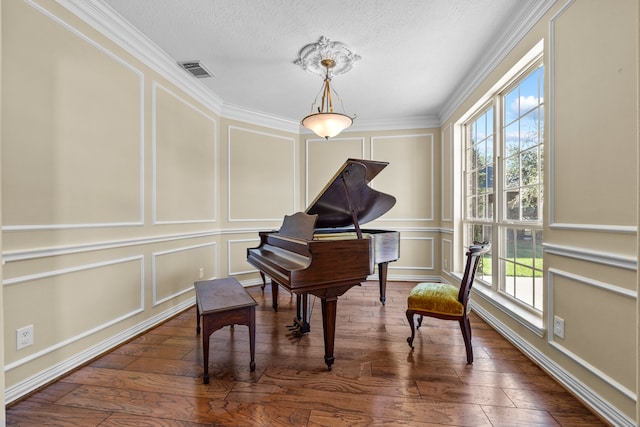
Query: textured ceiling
point(415, 54)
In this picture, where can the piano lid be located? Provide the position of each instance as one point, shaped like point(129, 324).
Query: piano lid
point(350, 187)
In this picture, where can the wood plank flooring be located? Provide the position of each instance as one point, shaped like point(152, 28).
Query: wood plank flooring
point(376, 380)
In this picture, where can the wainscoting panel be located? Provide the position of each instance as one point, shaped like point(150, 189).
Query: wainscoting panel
point(261, 168)
point(57, 131)
point(409, 176)
point(416, 253)
point(324, 158)
point(71, 303)
point(237, 255)
point(174, 271)
point(184, 160)
point(447, 256)
point(447, 169)
point(595, 320)
point(578, 153)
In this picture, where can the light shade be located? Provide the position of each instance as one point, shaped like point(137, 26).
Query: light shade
point(327, 125)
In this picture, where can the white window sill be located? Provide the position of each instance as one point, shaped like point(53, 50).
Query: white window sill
point(531, 321)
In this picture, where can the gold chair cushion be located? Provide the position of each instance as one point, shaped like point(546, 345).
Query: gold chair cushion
point(439, 298)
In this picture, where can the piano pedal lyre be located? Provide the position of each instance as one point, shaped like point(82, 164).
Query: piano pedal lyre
point(300, 327)
point(301, 322)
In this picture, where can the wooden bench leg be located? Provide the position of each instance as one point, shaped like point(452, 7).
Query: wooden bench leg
point(205, 349)
point(197, 319)
point(252, 337)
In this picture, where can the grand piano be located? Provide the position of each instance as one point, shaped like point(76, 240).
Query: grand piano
point(324, 251)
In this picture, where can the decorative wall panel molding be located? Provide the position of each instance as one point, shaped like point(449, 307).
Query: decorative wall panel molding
point(36, 253)
point(138, 306)
point(422, 253)
point(260, 166)
point(447, 254)
point(560, 346)
point(566, 20)
point(582, 254)
point(323, 159)
point(56, 371)
point(447, 167)
point(182, 262)
point(244, 243)
point(413, 166)
point(184, 151)
point(85, 143)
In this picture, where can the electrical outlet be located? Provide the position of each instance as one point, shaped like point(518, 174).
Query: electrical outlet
point(558, 326)
point(201, 272)
point(24, 337)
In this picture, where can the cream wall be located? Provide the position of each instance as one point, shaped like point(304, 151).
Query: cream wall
point(591, 216)
point(2, 382)
point(593, 123)
point(121, 182)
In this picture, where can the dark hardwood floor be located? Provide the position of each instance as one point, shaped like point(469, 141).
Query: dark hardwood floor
point(156, 379)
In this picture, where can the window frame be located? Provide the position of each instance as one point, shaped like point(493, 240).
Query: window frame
point(494, 290)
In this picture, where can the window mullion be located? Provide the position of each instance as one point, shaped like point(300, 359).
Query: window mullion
point(498, 184)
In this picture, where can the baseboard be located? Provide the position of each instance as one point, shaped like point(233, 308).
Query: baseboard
point(55, 372)
point(595, 402)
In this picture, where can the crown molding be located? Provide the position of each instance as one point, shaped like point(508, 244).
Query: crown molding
point(105, 20)
point(236, 112)
point(505, 42)
point(420, 122)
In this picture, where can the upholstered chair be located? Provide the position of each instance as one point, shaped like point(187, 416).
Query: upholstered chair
point(445, 301)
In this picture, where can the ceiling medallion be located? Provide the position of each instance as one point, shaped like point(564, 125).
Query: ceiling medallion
point(312, 55)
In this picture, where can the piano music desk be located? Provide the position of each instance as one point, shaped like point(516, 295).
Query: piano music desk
point(220, 303)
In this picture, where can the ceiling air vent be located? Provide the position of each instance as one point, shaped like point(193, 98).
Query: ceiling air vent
point(196, 69)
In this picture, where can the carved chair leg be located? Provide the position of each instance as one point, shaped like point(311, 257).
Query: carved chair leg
point(413, 329)
point(465, 326)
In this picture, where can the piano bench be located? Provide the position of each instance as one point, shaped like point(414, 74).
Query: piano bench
point(220, 303)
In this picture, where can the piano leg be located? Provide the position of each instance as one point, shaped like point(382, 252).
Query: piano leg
point(264, 280)
point(274, 295)
point(329, 306)
point(382, 278)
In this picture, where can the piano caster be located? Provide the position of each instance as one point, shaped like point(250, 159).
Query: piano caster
point(383, 300)
point(205, 378)
point(252, 366)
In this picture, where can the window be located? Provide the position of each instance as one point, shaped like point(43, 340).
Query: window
point(503, 187)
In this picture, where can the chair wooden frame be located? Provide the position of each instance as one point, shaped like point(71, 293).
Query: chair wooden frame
point(473, 255)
